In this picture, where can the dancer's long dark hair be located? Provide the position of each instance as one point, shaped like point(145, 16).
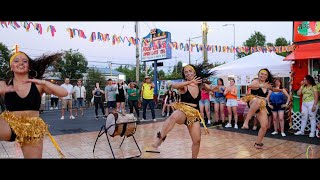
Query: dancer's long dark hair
point(203, 71)
point(39, 65)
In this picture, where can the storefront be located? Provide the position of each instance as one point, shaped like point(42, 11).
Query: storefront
point(305, 60)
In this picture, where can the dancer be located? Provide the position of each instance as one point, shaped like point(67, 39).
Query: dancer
point(257, 103)
point(187, 111)
point(22, 93)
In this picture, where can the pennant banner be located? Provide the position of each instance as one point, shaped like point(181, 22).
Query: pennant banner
point(115, 40)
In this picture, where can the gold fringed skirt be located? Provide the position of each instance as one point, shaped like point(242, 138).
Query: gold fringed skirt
point(28, 129)
point(191, 113)
point(249, 97)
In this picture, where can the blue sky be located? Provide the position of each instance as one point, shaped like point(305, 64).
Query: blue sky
point(97, 52)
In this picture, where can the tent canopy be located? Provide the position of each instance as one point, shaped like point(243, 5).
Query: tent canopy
point(250, 65)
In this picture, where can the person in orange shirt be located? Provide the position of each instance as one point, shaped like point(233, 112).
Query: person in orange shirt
point(232, 103)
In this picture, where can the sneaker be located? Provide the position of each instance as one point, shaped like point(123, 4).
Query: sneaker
point(142, 120)
point(236, 126)
point(167, 114)
point(299, 133)
point(311, 135)
point(72, 117)
point(228, 125)
point(97, 118)
point(62, 118)
point(209, 122)
point(283, 135)
point(56, 108)
point(163, 114)
point(154, 120)
point(254, 128)
point(274, 133)
point(51, 108)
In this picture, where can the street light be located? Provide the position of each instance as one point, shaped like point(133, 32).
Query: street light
point(234, 38)
point(190, 46)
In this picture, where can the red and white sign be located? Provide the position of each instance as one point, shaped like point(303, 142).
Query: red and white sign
point(157, 51)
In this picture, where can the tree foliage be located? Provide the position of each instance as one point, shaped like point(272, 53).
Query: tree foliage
point(73, 65)
point(256, 39)
point(93, 77)
point(4, 60)
point(282, 42)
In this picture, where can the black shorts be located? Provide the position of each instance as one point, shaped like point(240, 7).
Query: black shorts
point(111, 104)
point(277, 107)
point(13, 136)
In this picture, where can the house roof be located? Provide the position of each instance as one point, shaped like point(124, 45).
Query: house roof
point(107, 71)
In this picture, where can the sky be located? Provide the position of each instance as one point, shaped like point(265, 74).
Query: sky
point(98, 52)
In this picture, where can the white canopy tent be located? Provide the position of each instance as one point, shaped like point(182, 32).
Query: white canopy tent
point(243, 70)
point(250, 65)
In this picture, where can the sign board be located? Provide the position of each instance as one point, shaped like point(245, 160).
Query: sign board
point(155, 46)
point(306, 30)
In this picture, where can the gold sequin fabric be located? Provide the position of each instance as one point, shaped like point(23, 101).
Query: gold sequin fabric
point(191, 113)
point(249, 97)
point(28, 129)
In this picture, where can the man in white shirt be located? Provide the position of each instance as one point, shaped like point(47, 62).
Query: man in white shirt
point(80, 94)
point(67, 100)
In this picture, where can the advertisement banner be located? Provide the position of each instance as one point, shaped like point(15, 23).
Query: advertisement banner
point(155, 46)
point(306, 30)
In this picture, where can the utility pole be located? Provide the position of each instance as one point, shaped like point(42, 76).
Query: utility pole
point(189, 51)
point(137, 52)
point(110, 67)
point(204, 41)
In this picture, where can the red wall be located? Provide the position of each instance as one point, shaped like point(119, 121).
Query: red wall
point(300, 69)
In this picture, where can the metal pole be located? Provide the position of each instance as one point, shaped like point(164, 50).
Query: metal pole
point(137, 52)
point(204, 41)
point(155, 79)
point(189, 51)
point(234, 41)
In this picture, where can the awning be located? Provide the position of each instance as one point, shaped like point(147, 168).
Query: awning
point(304, 52)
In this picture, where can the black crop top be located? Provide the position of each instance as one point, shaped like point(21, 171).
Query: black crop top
point(187, 97)
point(32, 101)
point(259, 92)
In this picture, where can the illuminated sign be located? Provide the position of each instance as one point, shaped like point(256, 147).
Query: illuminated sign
point(306, 30)
point(155, 46)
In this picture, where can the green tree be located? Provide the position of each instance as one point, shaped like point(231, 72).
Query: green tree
point(73, 65)
point(270, 44)
point(93, 76)
point(161, 74)
point(4, 60)
point(282, 42)
point(256, 39)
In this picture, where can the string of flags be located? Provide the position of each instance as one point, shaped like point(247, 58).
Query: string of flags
point(115, 40)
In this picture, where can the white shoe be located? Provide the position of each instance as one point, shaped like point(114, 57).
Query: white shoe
point(72, 117)
point(56, 108)
point(299, 133)
point(51, 108)
point(209, 122)
point(142, 120)
point(311, 135)
point(236, 126)
point(228, 125)
point(154, 120)
point(167, 114)
point(62, 118)
point(283, 135)
point(254, 128)
point(274, 133)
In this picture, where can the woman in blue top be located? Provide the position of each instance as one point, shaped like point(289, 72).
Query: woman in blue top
point(219, 103)
point(278, 104)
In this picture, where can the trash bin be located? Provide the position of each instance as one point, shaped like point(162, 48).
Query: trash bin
point(296, 102)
